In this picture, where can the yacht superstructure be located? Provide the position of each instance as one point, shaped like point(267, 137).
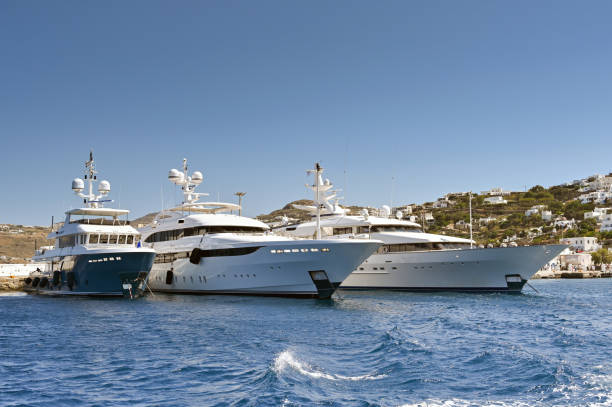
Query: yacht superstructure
point(203, 250)
point(95, 252)
point(412, 260)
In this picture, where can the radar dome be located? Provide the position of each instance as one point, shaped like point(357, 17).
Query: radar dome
point(104, 187)
point(175, 176)
point(386, 210)
point(77, 185)
point(327, 181)
point(365, 213)
point(197, 177)
point(399, 215)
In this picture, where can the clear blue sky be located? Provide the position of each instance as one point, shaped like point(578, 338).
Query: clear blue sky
point(440, 95)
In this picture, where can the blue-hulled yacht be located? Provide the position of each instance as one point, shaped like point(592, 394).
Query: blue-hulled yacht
point(96, 253)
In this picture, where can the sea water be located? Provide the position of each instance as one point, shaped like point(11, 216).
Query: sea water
point(552, 348)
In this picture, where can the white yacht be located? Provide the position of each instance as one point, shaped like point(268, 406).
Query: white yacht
point(96, 253)
point(412, 260)
point(201, 250)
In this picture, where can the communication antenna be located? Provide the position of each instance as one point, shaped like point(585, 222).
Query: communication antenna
point(240, 195)
point(318, 170)
point(90, 199)
point(471, 240)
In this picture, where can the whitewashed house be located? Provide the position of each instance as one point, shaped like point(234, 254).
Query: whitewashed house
point(429, 217)
point(584, 244)
point(441, 203)
point(606, 223)
point(546, 216)
point(486, 221)
point(496, 200)
point(496, 192)
point(534, 210)
point(563, 223)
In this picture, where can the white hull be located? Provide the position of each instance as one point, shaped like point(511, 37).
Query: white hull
point(452, 270)
point(263, 272)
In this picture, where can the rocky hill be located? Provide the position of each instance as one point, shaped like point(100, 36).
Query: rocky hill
point(18, 242)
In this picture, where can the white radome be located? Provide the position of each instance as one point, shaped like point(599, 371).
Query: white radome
point(175, 176)
point(197, 177)
point(77, 185)
point(104, 187)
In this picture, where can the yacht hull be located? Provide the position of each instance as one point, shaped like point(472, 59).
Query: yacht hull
point(287, 269)
point(95, 275)
point(475, 270)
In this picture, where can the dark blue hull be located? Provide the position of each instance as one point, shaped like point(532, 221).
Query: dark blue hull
point(100, 274)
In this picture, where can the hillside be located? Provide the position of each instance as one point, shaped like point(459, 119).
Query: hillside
point(496, 224)
point(18, 242)
point(492, 224)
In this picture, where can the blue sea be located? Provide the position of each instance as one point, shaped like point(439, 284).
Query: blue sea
point(550, 348)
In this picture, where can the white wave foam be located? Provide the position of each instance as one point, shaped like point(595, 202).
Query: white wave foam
point(464, 403)
point(13, 294)
point(286, 359)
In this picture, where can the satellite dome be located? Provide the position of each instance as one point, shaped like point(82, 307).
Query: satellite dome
point(104, 187)
point(197, 177)
point(386, 210)
point(175, 176)
point(399, 215)
point(327, 181)
point(365, 213)
point(77, 185)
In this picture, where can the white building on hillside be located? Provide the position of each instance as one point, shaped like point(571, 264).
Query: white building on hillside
point(585, 244)
point(546, 216)
point(606, 223)
point(534, 210)
point(596, 214)
point(598, 197)
point(486, 221)
point(601, 182)
point(441, 203)
point(562, 222)
point(496, 200)
point(496, 192)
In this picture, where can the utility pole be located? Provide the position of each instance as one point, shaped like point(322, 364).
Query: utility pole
point(240, 195)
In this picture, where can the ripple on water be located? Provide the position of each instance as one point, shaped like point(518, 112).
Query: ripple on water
point(363, 349)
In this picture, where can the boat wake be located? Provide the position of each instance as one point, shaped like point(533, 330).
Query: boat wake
point(286, 359)
point(13, 294)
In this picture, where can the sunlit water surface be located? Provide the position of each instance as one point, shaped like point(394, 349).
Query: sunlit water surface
point(359, 349)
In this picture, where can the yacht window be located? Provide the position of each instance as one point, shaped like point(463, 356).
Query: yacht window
point(93, 239)
point(113, 239)
point(343, 231)
point(363, 229)
point(411, 247)
point(394, 228)
point(103, 239)
point(66, 241)
point(130, 239)
point(82, 239)
point(122, 239)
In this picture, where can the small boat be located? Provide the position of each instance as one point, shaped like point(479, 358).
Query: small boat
point(96, 253)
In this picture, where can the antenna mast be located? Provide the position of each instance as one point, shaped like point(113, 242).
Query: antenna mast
point(471, 240)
